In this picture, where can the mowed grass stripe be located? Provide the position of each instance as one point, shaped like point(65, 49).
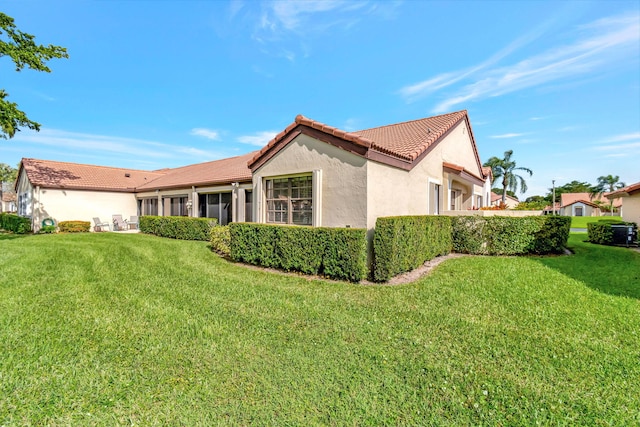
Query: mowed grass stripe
point(119, 329)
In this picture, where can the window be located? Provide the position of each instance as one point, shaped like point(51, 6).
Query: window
point(22, 204)
point(455, 200)
point(150, 206)
point(179, 206)
point(290, 200)
point(435, 199)
point(248, 206)
point(478, 202)
point(217, 205)
point(579, 211)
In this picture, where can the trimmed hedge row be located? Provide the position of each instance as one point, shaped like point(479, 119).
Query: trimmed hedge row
point(403, 243)
point(15, 223)
point(338, 253)
point(501, 235)
point(74, 226)
point(177, 227)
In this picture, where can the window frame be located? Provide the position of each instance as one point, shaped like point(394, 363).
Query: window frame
point(288, 208)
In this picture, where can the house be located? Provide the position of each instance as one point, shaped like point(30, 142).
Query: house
point(315, 174)
point(629, 197)
point(583, 204)
point(7, 198)
point(70, 191)
point(511, 202)
point(309, 174)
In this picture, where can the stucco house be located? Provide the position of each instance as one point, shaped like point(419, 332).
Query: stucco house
point(309, 174)
point(315, 174)
point(583, 204)
point(629, 197)
point(511, 202)
point(7, 198)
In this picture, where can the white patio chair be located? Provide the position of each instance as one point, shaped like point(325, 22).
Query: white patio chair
point(119, 224)
point(100, 224)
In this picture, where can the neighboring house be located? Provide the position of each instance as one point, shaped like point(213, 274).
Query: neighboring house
point(583, 204)
point(630, 202)
point(511, 202)
point(70, 191)
point(7, 198)
point(309, 174)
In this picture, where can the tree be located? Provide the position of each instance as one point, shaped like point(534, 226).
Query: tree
point(505, 168)
point(24, 52)
point(7, 173)
point(606, 184)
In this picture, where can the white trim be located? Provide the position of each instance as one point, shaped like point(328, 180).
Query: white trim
point(316, 197)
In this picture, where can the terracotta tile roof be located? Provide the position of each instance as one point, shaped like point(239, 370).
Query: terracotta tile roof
point(216, 172)
point(51, 174)
point(495, 197)
point(408, 140)
point(8, 196)
point(628, 190)
point(405, 141)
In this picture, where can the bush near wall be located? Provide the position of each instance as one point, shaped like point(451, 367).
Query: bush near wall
point(601, 232)
point(74, 226)
point(500, 235)
point(14, 223)
point(403, 243)
point(177, 227)
point(338, 253)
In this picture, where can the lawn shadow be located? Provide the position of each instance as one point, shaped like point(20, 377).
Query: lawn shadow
point(11, 236)
point(607, 269)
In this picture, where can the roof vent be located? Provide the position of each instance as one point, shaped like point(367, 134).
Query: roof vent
point(127, 175)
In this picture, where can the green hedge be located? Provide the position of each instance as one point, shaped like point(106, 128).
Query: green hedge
point(74, 226)
point(403, 243)
point(15, 223)
point(177, 227)
point(500, 235)
point(338, 253)
point(220, 240)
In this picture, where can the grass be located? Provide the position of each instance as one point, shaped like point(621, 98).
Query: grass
point(581, 221)
point(107, 329)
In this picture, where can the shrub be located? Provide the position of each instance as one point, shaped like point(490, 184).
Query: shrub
point(403, 243)
point(73, 226)
point(501, 235)
point(602, 232)
point(47, 229)
point(220, 240)
point(178, 227)
point(15, 223)
point(338, 253)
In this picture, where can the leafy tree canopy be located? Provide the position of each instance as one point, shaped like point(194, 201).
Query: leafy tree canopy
point(23, 50)
point(7, 173)
point(505, 169)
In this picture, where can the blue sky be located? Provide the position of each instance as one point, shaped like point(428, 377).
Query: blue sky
point(154, 84)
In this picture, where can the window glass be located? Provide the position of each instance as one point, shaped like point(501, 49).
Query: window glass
point(289, 200)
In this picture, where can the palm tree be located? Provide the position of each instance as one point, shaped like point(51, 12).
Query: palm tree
point(504, 168)
point(607, 184)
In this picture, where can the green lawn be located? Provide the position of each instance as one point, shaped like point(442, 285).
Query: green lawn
point(581, 221)
point(108, 329)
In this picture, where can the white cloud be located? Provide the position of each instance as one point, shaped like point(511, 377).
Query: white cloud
point(596, 46)
point(206, 133)
point(507, 135)
point(258, 139)
point(625, 137)
point(107, 144)
point(629, 146)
